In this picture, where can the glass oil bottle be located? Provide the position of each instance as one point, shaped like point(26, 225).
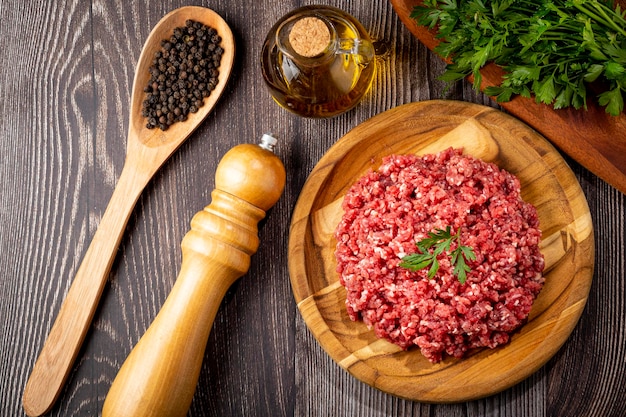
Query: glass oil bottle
point(318, 61)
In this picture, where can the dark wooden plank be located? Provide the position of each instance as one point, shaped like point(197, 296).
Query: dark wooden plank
point(591, 367)
point(47, 108)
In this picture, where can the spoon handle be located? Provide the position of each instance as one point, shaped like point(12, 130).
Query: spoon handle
point(74, 318)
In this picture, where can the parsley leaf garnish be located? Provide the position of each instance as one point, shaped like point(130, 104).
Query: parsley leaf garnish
point(441, 243)
point(549, 49)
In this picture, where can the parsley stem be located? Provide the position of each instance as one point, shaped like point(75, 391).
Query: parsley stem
point(603, 17)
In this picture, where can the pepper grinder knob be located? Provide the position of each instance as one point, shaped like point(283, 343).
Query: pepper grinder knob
point(252, 173)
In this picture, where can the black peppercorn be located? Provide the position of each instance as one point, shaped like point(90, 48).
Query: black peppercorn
point(182, 74)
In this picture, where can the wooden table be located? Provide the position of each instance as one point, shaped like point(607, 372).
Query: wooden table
point(65, 83)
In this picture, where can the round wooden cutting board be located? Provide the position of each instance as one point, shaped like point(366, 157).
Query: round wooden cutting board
point(428, 127)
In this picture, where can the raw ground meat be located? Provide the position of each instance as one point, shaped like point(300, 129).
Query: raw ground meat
point(387, 211)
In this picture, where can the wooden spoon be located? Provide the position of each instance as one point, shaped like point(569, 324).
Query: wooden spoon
point(147, 150)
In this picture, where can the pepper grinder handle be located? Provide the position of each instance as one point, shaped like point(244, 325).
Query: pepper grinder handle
point(160, 375)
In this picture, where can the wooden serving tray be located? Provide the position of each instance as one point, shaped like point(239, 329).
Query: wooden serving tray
point(592, 137)
point(426, 127)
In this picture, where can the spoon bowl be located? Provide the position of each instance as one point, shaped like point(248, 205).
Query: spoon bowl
point(147, 151)
point(169, 140)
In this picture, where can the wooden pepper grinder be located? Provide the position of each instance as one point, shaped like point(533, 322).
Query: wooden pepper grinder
point(160, 375)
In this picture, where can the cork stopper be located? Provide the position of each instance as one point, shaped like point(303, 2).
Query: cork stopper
point(309, 36)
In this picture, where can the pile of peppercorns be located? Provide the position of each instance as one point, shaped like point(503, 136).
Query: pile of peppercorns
point(182, 74)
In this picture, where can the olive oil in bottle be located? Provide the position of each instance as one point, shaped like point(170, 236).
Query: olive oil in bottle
point(318, 61)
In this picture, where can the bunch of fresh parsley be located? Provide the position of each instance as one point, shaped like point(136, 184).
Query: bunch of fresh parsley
point(552, 49)
point(441, 242)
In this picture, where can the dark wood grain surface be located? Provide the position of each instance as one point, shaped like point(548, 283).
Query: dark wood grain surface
point(65, 80)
